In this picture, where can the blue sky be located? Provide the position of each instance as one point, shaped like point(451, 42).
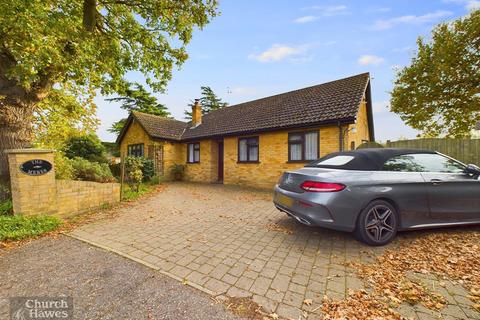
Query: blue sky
point(260, 48)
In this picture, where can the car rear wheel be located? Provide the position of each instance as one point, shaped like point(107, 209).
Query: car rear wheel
point(377, 224)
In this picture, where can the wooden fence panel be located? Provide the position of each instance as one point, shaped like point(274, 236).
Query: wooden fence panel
point(465, 150)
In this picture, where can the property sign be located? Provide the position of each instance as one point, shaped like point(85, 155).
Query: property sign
point(36, 167)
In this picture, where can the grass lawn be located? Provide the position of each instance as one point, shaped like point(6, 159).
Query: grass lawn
point(144, 188)
point(20, 227)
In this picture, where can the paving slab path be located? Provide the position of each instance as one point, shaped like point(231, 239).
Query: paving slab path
point(232, 241)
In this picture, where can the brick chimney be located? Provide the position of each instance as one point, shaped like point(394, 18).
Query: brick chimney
point(196, 113)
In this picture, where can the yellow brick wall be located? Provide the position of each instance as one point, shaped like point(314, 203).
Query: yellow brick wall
point(273, 157)
point(207, 169)
point(173, 152)
point(75, 197)
point(34, 195)
point(135, 135)
point(361, 125)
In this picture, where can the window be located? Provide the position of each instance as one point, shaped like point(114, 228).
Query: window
point(193, 152)
point(335, 161)
point(423, 162)
point(135, 150)
point(303, 146)
point(248, 149)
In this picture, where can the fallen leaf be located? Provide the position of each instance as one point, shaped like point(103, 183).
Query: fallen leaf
point(308, 302)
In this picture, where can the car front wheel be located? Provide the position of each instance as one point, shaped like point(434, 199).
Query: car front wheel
point(377, 224)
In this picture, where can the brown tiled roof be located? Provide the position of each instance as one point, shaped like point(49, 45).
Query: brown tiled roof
point(332, 101)
point(156, 127)
point(321, 104)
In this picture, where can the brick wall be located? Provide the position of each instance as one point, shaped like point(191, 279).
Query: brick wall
point(173, 152)
point(206, 169)
point(361, 126)
point(32, 194)
point(135, 135)
point(81, 196)
point(273, 157)
point(44, 194)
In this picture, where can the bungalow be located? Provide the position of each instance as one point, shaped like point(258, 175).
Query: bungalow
point(252, 143)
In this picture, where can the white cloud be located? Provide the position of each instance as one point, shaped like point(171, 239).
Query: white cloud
point(410, 19)
point(305, 19)
point(328, 11)
point(279, 52)
point(370, 59)
point(473, 5)
point(469, 4)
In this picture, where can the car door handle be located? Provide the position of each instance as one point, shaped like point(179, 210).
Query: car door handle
point(436, 182)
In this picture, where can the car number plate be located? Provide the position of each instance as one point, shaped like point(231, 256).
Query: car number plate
point(284, 200)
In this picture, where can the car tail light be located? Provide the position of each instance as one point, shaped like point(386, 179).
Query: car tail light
point(316, 186)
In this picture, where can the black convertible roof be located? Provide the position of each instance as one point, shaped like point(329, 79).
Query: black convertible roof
point(366, 159)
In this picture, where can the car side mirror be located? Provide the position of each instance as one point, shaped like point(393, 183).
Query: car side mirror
point(473, 170)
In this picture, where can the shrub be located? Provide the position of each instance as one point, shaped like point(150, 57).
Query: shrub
point(177, 171)
point(130, 194)
point(88, 147)
point(63, 167)
point(91, 171)
point(19, 227)
point(148, 169)
point(116, 169)
point(133, 172)
point(156, 180)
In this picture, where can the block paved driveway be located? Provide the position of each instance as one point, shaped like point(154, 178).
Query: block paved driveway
point(231, 241)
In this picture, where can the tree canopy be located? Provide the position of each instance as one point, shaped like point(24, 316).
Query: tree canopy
point(209, 102)
point(439, 92)
point(89, 44)
point(137, 98)
point(62, 115)
point(51, 41)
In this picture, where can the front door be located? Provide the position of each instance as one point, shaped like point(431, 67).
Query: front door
point(220, 161)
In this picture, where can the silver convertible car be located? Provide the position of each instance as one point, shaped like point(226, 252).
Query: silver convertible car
point(377, 192)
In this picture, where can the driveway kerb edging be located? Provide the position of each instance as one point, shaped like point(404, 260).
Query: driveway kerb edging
point(148, 265)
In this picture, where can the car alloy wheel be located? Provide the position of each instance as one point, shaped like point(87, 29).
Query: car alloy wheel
point(380, 223)
point(377, 224)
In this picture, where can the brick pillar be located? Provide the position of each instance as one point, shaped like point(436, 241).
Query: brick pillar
point(32, 194)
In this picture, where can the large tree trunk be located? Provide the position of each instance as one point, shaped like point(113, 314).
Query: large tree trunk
point(15, 130)
point(17, 106)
